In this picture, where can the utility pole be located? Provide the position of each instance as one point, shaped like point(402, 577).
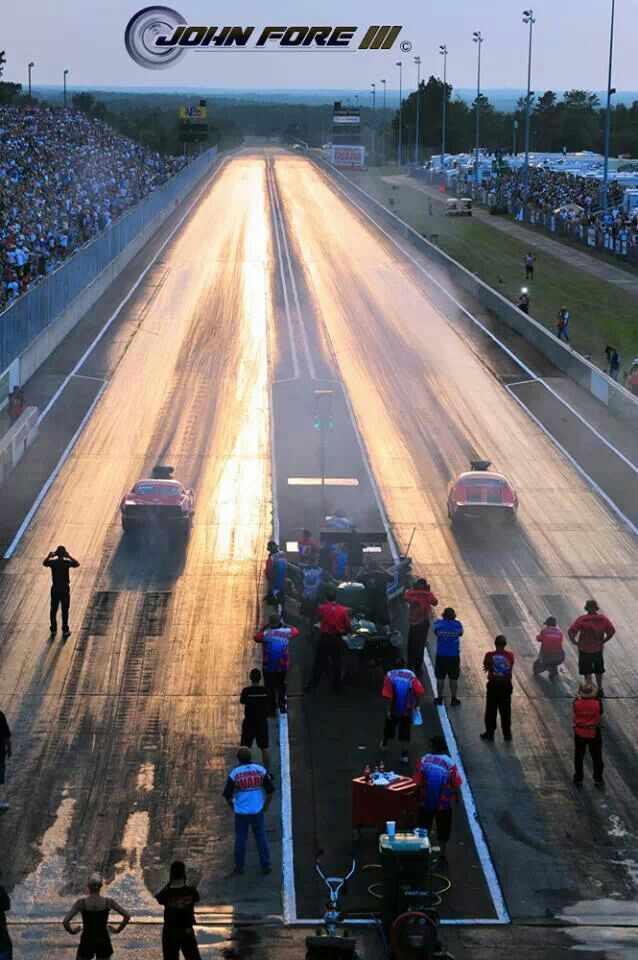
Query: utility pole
point(443, 52)
point(605, 191)
point(31, 66)
point(477, 37)
point(399, 64)
point(417, 60)
point(528, 17)
point(374, 122)
point(384, 121)
point(64, 77)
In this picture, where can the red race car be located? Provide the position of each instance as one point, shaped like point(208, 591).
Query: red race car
point(159, 500)
point(480, 494)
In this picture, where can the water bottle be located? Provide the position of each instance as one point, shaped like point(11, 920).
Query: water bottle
point(366, 772)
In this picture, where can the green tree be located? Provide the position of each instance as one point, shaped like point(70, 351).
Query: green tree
point(85, 102)
point(580, 121)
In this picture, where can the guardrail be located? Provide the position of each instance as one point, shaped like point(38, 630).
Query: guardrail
point(72, 288)
point(619, 401)
point(17, 440)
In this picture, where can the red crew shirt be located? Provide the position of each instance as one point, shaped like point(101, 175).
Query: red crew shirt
point(551, 641)
point(334, 619)
point(421, 602)
point(592, 631)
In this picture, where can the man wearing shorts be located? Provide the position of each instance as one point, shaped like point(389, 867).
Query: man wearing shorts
point(5, 753)
point(439, 781)
point(255, 724)
point(590, 632)
point(448, 631)
point(403, 689)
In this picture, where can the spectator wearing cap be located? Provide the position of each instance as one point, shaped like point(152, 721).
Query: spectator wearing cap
point(94, 929)
point(421, 601)
point(438, 782)
point(248, 792)
point(590, 632)
point(587, 710)
point(498, 664)
point(551, 653)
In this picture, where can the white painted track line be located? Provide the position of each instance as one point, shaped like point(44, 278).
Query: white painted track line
point(304, 334)
point(47, 486)
point(510, 353)
point(284, 285)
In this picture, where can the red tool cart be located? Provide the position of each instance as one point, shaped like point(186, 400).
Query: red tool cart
point(373, 806)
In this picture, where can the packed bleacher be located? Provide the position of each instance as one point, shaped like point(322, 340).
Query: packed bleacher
point(551, 190)
point(64, 177)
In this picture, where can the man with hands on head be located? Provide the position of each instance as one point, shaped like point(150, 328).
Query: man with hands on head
point(60, 561)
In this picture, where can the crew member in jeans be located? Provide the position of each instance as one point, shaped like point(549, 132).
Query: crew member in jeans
point(403, 689)
point(59, 563)
point(590, 632)
point(448, 631)
point(438, 780)
point(587, 712)
point(275, 641)
point(334, 622)
point(498, 665)
point(248, 792)
point(420, 600)
point(178, 898)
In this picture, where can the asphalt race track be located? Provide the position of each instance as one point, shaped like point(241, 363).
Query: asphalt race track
point(273, 286)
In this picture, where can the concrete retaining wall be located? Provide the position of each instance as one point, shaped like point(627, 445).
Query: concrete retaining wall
point(619, 401)
point(17, 440)
point(33, 326)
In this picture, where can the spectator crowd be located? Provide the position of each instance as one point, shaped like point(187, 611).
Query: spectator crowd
point(64, 177)
point(548, 190)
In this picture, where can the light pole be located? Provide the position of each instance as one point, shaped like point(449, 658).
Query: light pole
point(399, 64)
point(610, 90)
point(528, 17)
point(417, 60)
point(384, 121)
point(31, 65)
point(65, 76)
point(374, 122)
point(477, 37)
point(443, 52)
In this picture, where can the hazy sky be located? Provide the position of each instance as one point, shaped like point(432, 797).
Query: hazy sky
point(570, 43)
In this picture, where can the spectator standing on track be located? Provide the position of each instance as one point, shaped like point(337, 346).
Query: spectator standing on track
point(421, 601)
point(587, 713)
point(59, 563)
point(334, 622)
point(276, 572)
point(590, 632)
point(438, 780)
point(448, 631)
point(308, 549)
point(529, 260)
point(248, 792)
point(631, 383)
point(551, 653)
point(524, 301)
point(311, 586)
point(562, 324)
point(275, 643)
point(95, 940)
point(403, 689)
point(375, 579)
point(6, 947)
point(178, 899)
point(256, 701)
point(498, 664)
point(5, 753)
